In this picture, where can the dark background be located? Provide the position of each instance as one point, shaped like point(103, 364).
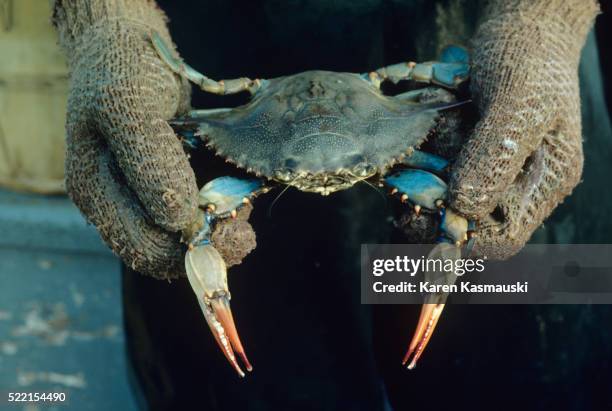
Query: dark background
point(296, 298)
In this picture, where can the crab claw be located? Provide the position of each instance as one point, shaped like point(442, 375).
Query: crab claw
point(430, 314)
point(434, 304)
point(207, 276)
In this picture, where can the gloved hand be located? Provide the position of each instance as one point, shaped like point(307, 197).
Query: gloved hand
point(525, 154)
point(125, 168)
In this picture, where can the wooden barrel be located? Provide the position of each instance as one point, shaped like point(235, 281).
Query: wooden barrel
point(33, 92)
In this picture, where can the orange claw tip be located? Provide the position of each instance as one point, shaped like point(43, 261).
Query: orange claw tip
point(430, 314)
point(221, 322)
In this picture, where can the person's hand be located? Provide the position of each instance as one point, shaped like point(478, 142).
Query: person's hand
point(525, 154)
point(125, 168)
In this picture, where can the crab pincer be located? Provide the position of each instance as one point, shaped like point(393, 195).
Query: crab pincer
point(434, 304)
point(219, 199)
point(425, 190)
point(207, 276)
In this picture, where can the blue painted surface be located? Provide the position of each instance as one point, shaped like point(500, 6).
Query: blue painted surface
point(60, 308)
point(47, 222)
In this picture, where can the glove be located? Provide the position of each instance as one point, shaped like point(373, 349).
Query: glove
point(525, 153)
point(125, 168)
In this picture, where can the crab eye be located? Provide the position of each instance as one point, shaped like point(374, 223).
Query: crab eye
point(363, 170)
point(284, 175)
point(291, 164)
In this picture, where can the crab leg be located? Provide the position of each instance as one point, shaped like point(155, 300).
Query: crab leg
point(426, 161)
point(421, 95)
point(222, 196)
point(211, 86)
point(206, 269)
point(450, 71)
point(426, 190)
point(421, 188)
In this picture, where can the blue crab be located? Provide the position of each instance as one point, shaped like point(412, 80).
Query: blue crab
point(320, 132)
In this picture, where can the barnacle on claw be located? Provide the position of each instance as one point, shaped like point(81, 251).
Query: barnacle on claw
point(321, 132)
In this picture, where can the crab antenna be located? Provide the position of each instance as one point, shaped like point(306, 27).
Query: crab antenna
point(367, 183)
point(276, 199)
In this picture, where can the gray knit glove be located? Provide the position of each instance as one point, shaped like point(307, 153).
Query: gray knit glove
point(525, 154)
point(125, 168)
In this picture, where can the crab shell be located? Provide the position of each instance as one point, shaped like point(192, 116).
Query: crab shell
point(321, 131)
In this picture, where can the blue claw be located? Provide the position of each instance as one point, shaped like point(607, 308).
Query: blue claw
point(424, 189)
point(426, 161)
point(421, 187)
point(450, 74)
point(453, 68)
point(223, 195)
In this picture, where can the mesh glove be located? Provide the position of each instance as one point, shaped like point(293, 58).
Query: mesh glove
point(125, 168)
point(525, 154)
